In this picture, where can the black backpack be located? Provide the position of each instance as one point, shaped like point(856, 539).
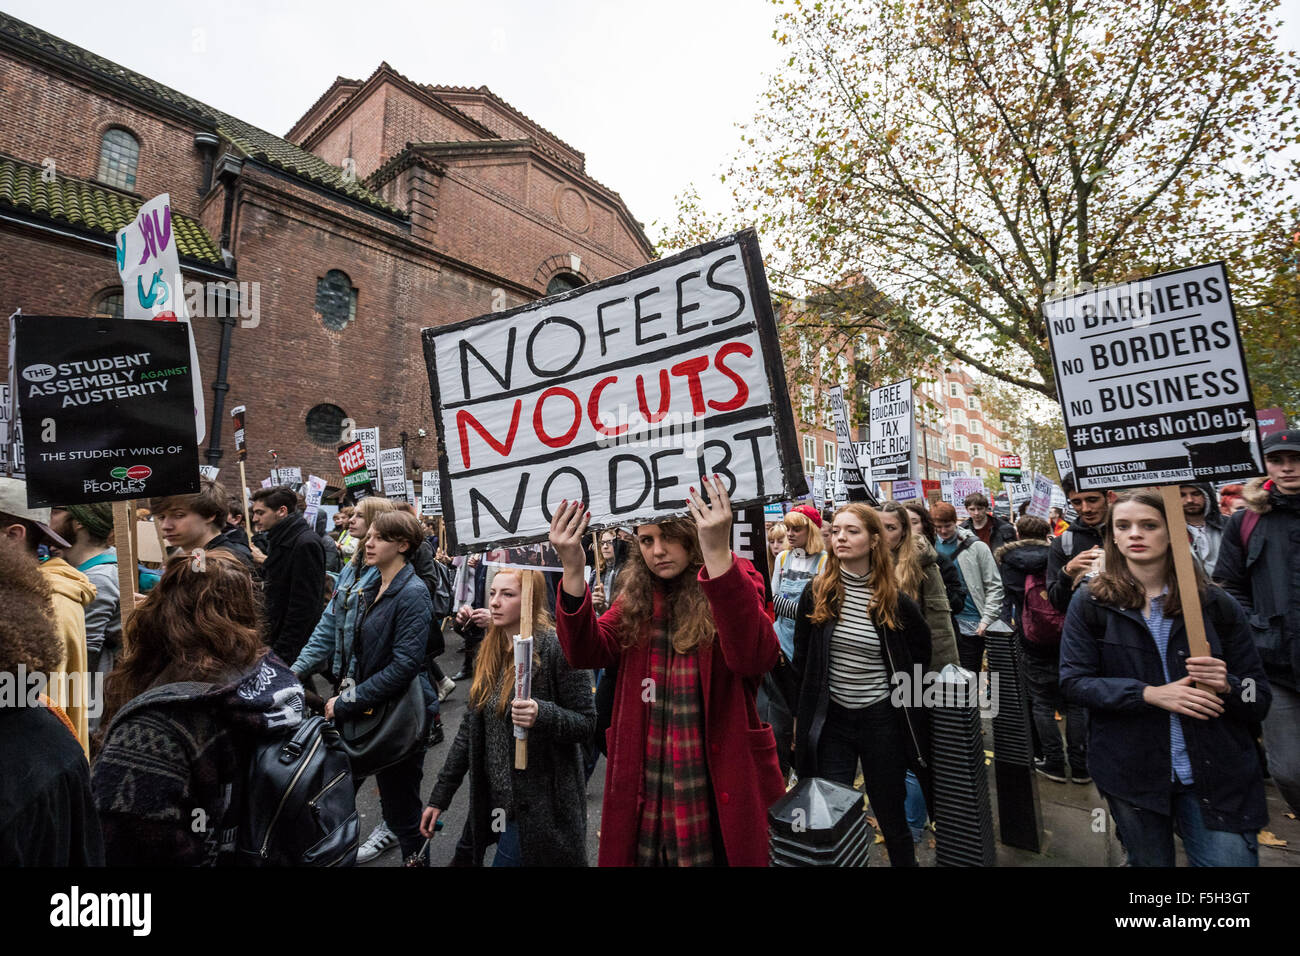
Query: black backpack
point(299, 804)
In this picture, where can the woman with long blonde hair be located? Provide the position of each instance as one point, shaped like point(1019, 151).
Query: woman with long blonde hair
point(855, 636)
point(690, 770)
point(916, 569)
point(544, 805)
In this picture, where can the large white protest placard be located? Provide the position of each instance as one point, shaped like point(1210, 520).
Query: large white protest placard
point(906, 490)
point(1152, 381)
point(849, 480)
point(312, 494)
point(819, 487)
point(152, 287)
point(621, 394)
point(290, 475)
point(1064, 466)
point(963, 486)
point(430, 494)
point(1040, 503)
point(392, 466)
point(369, 438)
point(892, 425)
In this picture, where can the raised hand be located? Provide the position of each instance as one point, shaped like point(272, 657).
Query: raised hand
point(568, 526)
point(713, 523)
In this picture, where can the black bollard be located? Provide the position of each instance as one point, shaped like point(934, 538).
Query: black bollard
point(819, 823)
point(963, 814)
point(1020, 816)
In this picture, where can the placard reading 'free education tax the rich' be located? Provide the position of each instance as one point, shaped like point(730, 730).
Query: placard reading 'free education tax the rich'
point(620, 394)
point(108, 409)
point(1152, 381)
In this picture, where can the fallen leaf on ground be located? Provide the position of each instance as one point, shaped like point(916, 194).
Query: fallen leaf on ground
point(1267, 839)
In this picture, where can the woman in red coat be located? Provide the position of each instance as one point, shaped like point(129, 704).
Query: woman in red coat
point(690, 769)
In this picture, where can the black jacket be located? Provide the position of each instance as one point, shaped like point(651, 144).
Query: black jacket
point(904, 647)
point(1075, 540)
point(1264, 577)
point(1108, 658)
point(47, 813)
point(549, 798)
point(1004, 532)
point(390, 641)
point(236, 542)
point(294, 573)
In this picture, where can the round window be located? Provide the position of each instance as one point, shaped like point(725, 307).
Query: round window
point(325, 424)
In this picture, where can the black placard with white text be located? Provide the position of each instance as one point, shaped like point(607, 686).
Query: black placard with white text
point(108, 408)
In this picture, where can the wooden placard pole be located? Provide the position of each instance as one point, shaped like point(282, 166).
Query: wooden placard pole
point(243, 495)
point(442, 535)
point(123, 540)
point(525, 630)
point(595, 551)
point(1188, 595)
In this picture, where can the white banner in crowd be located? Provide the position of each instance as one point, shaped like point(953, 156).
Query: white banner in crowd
point(907, 490)
point(312, 494)
point(819, 487)
point(1040, 502)
point(1152, 381)
point(392, 467)
point(290, 475)
point(430, 494)
point(152, 287)
point(963, 486)
point(410, 494)
point(620, 394)
point(892, 424)
point(369, 438)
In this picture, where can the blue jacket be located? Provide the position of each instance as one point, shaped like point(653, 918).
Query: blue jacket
point(390, 639)
point(337, 623)
point(1108, 657)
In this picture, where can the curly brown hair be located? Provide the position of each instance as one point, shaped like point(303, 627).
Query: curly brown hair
point(689, 616)
point(197, 624)
point(27, 634)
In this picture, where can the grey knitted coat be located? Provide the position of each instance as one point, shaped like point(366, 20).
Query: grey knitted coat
point(548, 800)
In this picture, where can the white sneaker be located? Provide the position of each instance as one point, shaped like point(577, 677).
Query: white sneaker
point(445, 687)
point(381, 839)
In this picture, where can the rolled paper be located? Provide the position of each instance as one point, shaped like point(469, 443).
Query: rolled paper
point(523, 676)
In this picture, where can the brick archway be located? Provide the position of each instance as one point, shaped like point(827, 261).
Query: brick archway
point(569, 262)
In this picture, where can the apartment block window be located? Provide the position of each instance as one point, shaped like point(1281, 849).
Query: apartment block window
point(844, 370)
point(805, 351)
point(958, 443)
point(828, 454)
point(954, 389)
point(976, 451)
point(958, 416)
point(828, 414)
point(975, 427)
point(807, 404)
point(809, 454)
point(973, 403)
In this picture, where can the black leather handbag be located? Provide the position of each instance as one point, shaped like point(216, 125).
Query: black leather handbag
point(388, 732)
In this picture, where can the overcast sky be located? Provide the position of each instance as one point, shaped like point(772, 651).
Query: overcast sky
point(650, 92)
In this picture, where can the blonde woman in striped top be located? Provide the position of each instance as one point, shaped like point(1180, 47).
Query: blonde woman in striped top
point(855, 636)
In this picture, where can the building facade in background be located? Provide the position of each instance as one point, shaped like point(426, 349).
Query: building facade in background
point(390, 206)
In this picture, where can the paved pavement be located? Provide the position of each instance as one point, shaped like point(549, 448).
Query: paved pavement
point(1069, 811)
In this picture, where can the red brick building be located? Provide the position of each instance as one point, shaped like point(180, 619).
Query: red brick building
point(390, 206)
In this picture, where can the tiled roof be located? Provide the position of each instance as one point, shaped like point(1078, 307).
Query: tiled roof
point(248, 139)
point(90, 206)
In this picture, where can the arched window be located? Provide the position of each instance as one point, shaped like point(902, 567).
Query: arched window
point(325, 424)
point(563, 282)
point(108, 303)
point(119, 155)
point(336, 300)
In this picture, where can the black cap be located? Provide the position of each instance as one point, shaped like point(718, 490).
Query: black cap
point(1288, 440)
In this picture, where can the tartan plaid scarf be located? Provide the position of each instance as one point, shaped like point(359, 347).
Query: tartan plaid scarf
point(674, 829)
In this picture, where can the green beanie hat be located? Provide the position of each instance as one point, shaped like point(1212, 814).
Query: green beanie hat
point(98, 518)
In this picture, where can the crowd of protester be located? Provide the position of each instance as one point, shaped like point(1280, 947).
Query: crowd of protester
point(707, 686)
